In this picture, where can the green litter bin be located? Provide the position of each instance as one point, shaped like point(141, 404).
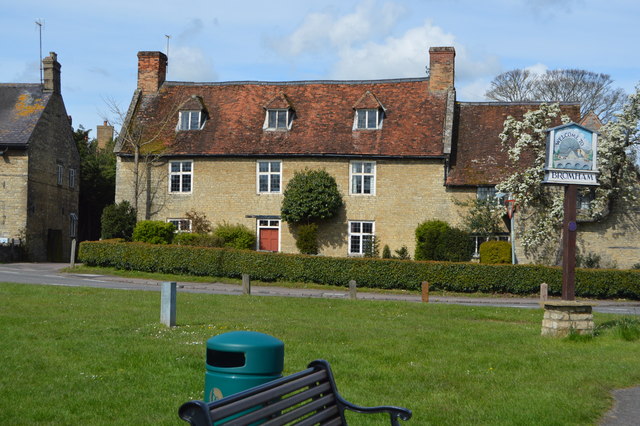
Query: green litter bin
point(240, 360)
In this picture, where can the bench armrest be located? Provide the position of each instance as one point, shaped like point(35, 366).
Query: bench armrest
point(395, 413)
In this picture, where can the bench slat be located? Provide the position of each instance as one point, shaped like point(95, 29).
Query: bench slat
point(258, 395)
point(329, 414)
point(287, 402)
point(303, 410)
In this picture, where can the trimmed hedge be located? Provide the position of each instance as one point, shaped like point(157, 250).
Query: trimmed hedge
point(374, 273)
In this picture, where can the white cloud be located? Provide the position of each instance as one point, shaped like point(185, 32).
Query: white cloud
point(190, 64)
point(404, 56)
point(324, 31)
point(537, 69)
point(474, 91)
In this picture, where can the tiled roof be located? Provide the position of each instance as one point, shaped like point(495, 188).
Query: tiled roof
point(478, 158)
point(21, 106)
point(323, 124)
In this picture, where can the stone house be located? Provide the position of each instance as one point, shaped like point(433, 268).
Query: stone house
point(39, 168)
point(401, 150)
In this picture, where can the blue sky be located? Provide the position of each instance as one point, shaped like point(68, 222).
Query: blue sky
point(277, 40)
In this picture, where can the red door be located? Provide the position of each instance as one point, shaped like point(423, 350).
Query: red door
point(268, 239)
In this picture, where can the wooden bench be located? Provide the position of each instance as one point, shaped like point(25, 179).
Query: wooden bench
point(309, 397)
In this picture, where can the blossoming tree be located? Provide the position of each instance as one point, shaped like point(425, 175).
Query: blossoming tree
point(541, 205)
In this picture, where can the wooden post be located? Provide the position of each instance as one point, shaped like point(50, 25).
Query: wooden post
point(569, 227)
point(544, 292)
point(168, 304)
point(425, 292)
point(353, 293)
point(246, 284)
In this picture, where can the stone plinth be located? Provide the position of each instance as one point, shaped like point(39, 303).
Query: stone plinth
point(564, 317)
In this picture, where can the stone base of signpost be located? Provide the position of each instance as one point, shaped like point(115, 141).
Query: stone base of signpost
point(564, 317)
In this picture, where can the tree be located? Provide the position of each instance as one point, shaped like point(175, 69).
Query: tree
point(146, 147)
point(97, 182)
point(311, 195)
point(118, 221)
point(482, 217)
point(594, 91)
point(542, 205)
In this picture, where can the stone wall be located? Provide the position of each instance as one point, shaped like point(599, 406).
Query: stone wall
point(13, 202)
point(50, 204)
point(407, 193)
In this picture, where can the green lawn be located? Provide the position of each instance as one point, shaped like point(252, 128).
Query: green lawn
point(94, 356)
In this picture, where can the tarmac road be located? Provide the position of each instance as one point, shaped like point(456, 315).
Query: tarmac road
point(48, 274)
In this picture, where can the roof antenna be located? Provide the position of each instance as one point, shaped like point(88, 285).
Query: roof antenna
point(40, 23)
point(168, 36)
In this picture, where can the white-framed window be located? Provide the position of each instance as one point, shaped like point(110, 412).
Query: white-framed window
point(73, 225)
point(486, 192)
point(362, 177)
point(584, 199)
point(190, 120)
point(72, 178)
point(368, 119)
point(59, 173)
point(361, 234)
point(180, 176)
point(269, 177)
point(182, 225)
point(278, 119)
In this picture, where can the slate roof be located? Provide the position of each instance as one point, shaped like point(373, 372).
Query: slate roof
point(478, 158)
point(323, 123)
point(21, 107)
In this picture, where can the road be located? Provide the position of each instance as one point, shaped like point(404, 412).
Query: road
point(49, 274)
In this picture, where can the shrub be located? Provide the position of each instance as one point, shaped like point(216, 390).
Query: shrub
point(199, 222)
point(154, 232)
point(235, 236)
point(458, 246)
point(386, 252)
point(194, 239)
point(429, 243)
point(436, 240)
point(403, 253)
point(307, 238)
point(371, 248)
point(118, 221)
point(495, 252)
point(636, 266)
point(373, 273)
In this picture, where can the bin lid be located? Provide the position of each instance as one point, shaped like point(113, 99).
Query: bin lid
point(245, 352)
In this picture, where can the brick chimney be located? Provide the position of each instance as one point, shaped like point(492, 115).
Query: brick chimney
point(51, 71)
point(441, 68)
point(104, 134)
point(152, 70)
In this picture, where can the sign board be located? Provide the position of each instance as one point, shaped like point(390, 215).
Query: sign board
point(572, 153)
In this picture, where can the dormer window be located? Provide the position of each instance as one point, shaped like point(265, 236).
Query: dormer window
point(279, 113)
point(369, 112)
point(191, 120)
point(368, 119)
point(278, 119)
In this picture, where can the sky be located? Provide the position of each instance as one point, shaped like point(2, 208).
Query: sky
point(286, 40)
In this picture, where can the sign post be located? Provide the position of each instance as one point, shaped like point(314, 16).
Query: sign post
point(571, 161)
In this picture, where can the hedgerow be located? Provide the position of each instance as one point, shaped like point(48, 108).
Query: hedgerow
point(373, 273)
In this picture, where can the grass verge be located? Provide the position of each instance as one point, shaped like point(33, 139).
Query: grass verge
point(99, 356)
